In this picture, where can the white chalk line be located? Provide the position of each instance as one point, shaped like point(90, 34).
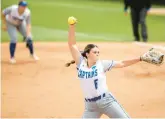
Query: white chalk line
point(159, 47)
point(50, 33)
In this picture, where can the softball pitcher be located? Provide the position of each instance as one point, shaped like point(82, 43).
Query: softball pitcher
point(92, 75)
point(17, 17)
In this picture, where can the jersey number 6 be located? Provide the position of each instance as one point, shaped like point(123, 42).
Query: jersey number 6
point(96, 83)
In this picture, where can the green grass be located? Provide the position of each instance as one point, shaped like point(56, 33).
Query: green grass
point(97, 21)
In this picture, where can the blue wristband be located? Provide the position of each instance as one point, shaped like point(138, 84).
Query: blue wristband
point(147, 9)
point(125, 9)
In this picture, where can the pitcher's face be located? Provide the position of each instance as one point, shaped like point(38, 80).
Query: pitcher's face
point(93, 54)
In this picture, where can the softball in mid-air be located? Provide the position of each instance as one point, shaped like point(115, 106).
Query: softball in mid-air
point(72, 20)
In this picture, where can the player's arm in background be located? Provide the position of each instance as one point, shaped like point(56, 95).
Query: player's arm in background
point(148, 5)
point(72, 44)
point(125, 63)
point(28, 25)
point(3, 15)
point(126, 5)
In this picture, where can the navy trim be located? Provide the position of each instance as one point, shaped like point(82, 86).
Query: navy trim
point(12, 49)
point(95, 98)
point(110, 66)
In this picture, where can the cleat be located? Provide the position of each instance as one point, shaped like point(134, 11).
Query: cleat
point(12, 61)
point(35, 57)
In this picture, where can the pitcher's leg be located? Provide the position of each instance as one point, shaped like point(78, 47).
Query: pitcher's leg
point(111, 107)
point(91, 111)
point(115, 111)
point(91, 114)
point(13, 39)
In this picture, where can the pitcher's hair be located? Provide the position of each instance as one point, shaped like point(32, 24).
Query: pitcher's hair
point(83, 53)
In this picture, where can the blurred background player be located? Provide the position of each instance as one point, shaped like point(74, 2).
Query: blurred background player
point(18, 17)
point(139, 9)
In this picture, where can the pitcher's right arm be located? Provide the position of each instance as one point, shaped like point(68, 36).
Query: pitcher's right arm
point(76, 55)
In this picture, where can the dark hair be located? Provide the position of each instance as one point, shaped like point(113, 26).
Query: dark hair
point(87, 49)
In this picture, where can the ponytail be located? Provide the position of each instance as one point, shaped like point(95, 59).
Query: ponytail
point(72, 61)
point(69, 63)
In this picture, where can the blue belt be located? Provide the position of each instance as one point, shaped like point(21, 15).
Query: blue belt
point(95, 98)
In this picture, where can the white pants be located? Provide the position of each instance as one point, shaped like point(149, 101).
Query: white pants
point(107, 105)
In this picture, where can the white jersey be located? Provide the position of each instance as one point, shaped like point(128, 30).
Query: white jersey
point(93, 80)
point(14, 17)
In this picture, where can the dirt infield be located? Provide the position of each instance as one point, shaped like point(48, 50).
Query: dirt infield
point(47, 89)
